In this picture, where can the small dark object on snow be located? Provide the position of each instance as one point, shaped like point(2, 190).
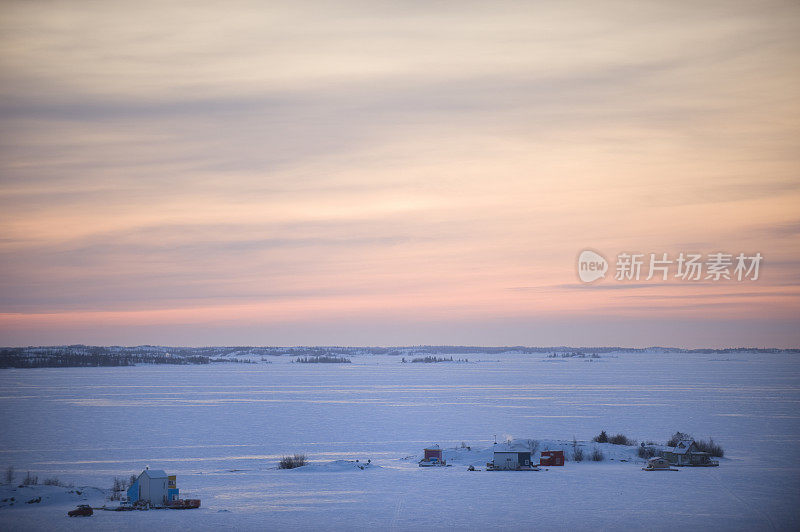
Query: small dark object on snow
point(471, 468)
point(184, 504)
point(81, 510)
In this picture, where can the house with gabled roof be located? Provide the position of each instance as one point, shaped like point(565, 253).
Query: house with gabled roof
point(153, 487)
point(687, 453)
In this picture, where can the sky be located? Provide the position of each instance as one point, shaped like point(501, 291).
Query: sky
point(395, 173)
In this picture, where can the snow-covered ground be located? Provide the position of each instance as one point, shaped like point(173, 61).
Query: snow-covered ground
point(222, 428)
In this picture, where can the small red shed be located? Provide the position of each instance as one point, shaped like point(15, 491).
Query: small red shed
point(433, 457)
point(552, 458)
point(433, 453)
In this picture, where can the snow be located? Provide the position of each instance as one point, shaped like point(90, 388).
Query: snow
point(223, 428)
point(16, 495)
point(337, 466)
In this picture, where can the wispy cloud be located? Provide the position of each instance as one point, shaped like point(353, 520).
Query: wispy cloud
point(367, 158)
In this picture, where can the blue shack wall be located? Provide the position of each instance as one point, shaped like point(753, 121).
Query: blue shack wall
point(133, 492)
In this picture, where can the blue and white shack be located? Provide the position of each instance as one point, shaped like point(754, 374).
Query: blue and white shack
point(510, 457)
point(153, 487)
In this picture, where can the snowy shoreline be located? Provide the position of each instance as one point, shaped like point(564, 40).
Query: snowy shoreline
point(222, 429)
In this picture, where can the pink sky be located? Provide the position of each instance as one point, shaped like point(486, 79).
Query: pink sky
point(372, 173)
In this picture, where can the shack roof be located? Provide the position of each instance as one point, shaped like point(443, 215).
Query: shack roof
point(154, 473)
point(683, 446)
point(509, 448)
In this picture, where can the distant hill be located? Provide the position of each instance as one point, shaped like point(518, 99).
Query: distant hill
point(93, 356)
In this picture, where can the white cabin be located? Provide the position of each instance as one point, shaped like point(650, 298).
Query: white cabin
point(152, 486)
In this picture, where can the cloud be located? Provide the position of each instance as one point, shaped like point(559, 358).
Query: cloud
point(371, 153)
point(780, 230)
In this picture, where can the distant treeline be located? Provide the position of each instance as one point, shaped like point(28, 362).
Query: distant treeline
point(323, 359)
point(431, 359)
point(69, 357)
point(83, 355)
point(573, 355)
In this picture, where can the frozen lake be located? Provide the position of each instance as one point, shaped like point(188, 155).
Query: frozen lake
point(87, 425)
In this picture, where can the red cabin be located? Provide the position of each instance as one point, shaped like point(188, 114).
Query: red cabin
point(552, 458)
point(433, 454)
point(433, 457)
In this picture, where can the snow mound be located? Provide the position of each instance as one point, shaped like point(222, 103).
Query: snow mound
point(516, 446)
point(338, 465)
point(15, 496)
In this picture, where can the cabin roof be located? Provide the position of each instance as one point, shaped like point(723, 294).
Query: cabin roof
point(155, 473)
point(507, 448)
point(683, 446)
